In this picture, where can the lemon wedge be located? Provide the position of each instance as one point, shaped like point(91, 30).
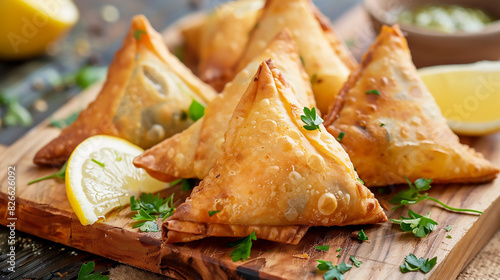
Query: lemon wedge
point(100, 177)
point(29, 26)
point(468, 95)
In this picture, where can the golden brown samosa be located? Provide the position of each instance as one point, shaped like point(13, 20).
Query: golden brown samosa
point(144, 100)
point(392, 125)
point(273, 176)
point(224, 36)
point(192, 153)
point(325, 58)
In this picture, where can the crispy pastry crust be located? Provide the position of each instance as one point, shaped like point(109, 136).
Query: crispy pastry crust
point(326, 60)
point(402, 132)
point(224, 35)
point(117, 109)
point(192, 153)
point(273, 176)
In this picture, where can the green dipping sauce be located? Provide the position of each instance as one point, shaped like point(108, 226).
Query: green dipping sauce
point(447, 18)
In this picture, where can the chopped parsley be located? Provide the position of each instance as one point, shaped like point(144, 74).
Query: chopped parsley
point(333, 271)
point(448, 228)
point(211, 213)
point(98, 162)
point(412, 263)
point(382, 124)
point(355, 261)
point(338, 256)
point(362, 236)
point(138, 33)
point(373, 91)
point(85, 272)
point(243, 247)
point(147, 207)
point(64, 122)
point(187, 184)
point(341, 136)
point(314, 79)
point(61, 174)
point(338, 249)
point(362, 182)
point(323, 248)
point(413, 195)
point(311, 119)
point(196, 110)
point(448, 236)
point(420, 225)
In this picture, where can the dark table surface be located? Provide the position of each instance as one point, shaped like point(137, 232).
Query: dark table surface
point(92, 41)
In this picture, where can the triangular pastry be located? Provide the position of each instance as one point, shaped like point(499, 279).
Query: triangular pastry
point(400, 132)
point(224, 36)
point(326, 60)
point(144, 100)
point(192, 153)
point(273, 176)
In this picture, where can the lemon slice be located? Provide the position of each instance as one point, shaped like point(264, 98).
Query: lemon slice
point(29, 26)
point(100, 177)
point(468, 95)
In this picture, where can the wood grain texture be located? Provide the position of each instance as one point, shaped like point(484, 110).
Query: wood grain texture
point(43, 210)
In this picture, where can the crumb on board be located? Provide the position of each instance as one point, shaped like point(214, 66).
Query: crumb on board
point(304, 256)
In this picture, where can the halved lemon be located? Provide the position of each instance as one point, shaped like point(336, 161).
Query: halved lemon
point(29, 26)
point(100, 177)
point(468, 95)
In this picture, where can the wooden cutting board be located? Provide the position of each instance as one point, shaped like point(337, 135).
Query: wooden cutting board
point(42, 209)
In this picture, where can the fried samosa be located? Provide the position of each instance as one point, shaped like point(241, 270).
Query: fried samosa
point(224, 36)
point(392, 126)
point(192, 153)
point(144, 100)
point(325, 58)
point(273, 176)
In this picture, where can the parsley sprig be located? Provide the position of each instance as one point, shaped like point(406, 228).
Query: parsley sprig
point(414, 195)
point(412, 263)
point(362, 236)
point(85, 272)
point(420, 225)
point(355, 261)
point(61, 174)
point(147, 207)
point(311, 119)
point(333, 271)
point(243, 247)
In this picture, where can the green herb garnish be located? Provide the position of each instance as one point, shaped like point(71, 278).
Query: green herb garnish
point(61, 174)
point(314, 79)
point(413, 195)
point(412, 263)
point(448, 228)
point(64, 122)
point(211, 213)
point(420, 225)
point(373, 91)
point(85, 272)
point(338, 256)
point(311, 119)
point(341, 136)
point(355, 261)
point(323, 248)
point(138, 33)
point(382, 124)
point(15, 113)
point(88, 75)
point(338, 249)
point(362, 182)
point(448, 236)
point(187, 184)
point(333, 271)
point(98, 162)
point(196, 110)
point(243, 247)
point(362, 236)
point(148, 206)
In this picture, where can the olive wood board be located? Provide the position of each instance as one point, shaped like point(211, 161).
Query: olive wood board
point(42, 209)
